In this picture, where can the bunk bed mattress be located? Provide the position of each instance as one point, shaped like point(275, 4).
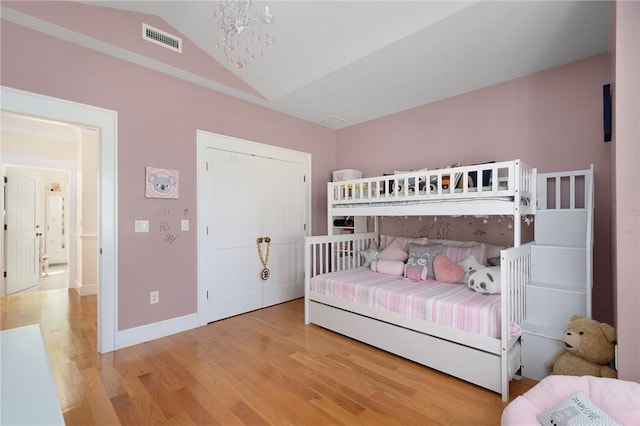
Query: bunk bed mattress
point(399, 201)
point(451, 305)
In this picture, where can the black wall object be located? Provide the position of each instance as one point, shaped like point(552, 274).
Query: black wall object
point(606, 106)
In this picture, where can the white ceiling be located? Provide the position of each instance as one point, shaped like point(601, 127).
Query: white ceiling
point(21, 125)
point(360, 60)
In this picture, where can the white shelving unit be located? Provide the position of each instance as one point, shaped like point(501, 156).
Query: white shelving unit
point(355, 225)
point(561, 266)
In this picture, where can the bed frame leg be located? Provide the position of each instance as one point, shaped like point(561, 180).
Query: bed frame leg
point(306, 309)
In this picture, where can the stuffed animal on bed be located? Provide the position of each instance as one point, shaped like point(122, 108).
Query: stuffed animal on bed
point(486, 280)
point(470, 265)
point(370, 254)
point(589, 346)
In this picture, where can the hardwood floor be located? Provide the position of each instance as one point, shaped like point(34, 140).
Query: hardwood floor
point(264, 367)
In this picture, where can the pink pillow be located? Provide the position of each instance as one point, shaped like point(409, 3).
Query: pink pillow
point(404, 242)
point(459, 253)
point(446, 271)
point(388, 267)
point(394, 251)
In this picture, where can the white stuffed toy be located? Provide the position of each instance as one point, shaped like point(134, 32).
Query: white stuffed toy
point(486, 280)
point(370, 254)
point(470, 265)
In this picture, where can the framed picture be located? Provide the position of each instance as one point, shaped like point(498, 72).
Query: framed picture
point(162, 183)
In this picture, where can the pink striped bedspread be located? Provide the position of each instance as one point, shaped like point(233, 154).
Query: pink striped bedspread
point(451, 305)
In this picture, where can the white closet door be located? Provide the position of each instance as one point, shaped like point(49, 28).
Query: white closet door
point(283, 207)
point(229, 269)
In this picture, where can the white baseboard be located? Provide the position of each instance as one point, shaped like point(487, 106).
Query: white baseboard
point(87, 289)
point(159, 329)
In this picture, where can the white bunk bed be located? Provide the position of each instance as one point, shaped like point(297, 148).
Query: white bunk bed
point(505, 188)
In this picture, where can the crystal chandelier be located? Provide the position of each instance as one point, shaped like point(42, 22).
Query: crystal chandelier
point(243, 31)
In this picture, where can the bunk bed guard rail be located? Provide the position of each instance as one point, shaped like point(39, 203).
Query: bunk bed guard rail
point(488, 180)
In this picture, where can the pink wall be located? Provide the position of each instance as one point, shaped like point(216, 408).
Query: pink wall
point(124, 30)
point(627, 181)
point(158, 116)
point(551, 120)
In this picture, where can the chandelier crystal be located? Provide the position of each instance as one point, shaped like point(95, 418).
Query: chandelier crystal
point(243, 31)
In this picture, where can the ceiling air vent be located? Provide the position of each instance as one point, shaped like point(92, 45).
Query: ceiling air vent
point(332, 121)
point(157, 36)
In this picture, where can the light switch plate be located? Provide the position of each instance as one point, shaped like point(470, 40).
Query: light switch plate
point(184, 224)
point(142, 226)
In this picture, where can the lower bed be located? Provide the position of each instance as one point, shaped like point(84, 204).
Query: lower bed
point(442, 326)
point(450, 305)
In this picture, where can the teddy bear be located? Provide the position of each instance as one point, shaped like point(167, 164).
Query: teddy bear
point(589, 347)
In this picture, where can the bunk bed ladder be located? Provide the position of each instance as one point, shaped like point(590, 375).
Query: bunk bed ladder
point(561, 265)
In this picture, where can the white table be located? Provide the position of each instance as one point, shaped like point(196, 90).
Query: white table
point(28, 390)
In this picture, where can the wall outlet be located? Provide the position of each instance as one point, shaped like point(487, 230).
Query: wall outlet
point(154, 297)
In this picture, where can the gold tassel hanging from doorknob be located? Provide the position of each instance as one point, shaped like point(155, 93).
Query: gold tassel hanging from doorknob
point(265, 273)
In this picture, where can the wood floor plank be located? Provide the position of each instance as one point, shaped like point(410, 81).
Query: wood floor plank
point(145, 404)
point(270, 383)
point(80, 414)
point(215, 393)
point(68, 385)
point(97, 398)
point(248, 415)
point(125, 410)
point(165, 398)
point(182, 419)
point(217, 389)
point(196, 409)
point(262, 368)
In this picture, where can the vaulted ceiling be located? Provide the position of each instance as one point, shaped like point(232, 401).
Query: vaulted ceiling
point(360, 60)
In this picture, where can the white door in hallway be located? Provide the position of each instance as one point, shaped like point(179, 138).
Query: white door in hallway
point(56, 232)
point(242, 197)
point(22, 251)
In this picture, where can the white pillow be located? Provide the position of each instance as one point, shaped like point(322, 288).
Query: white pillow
point(394, 251)
point(388, 267)
point(483, 251)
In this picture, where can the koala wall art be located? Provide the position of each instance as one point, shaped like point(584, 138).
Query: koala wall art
point(162, 183)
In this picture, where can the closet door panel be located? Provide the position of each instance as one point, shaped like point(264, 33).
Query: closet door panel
point(283, 221)
point(232, 268)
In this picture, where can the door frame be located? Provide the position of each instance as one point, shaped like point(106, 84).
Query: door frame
point(106, 121)
point(208, 140)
